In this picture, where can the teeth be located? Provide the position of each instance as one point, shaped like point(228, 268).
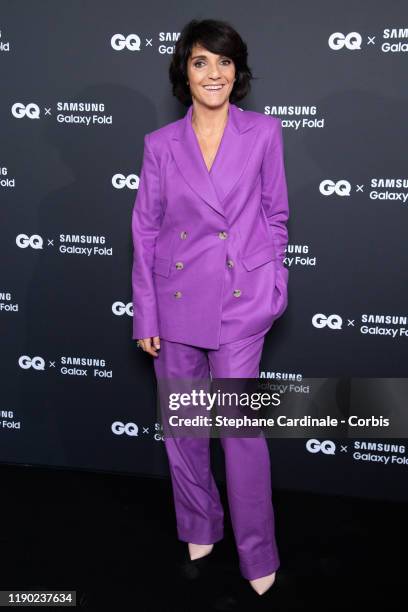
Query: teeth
point(213, 86)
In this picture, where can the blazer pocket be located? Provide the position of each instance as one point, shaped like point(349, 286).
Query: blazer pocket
point(161, 266)
point(282, 287)
point(259, 257)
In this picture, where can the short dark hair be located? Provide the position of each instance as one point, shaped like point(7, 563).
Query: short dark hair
point(217, 37)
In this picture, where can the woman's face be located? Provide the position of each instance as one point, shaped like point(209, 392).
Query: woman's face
point(205, 69)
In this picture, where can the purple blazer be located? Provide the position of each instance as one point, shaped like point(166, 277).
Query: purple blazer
point(207, 243)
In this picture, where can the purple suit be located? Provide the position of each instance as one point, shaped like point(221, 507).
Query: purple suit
point(210, 245)
point(208, 278)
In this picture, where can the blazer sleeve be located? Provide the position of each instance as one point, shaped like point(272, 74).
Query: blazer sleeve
point(274, 189)
point(146, 222)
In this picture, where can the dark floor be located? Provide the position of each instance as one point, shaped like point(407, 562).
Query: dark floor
point(112, 538)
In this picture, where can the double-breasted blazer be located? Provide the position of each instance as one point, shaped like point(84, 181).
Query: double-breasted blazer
point(210, 245)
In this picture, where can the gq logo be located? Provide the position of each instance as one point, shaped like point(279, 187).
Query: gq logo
point(340, 188)
point(131, 181)
point(35, 241)
point(19, 110)
point(327, 446)
point(119, 309)
point(27, 362)
point(333, 321)
point(130, 429)
point(130, 42)
point(352, 41)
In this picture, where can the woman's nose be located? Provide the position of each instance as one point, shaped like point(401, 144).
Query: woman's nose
point(214, 73)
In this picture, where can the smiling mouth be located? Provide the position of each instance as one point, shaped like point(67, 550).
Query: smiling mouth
point(213, 88)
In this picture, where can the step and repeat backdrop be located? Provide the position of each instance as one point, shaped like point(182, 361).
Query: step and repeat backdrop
point(81, 84)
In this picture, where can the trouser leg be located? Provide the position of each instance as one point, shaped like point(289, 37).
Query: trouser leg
point(247, 465)
point(199, 512)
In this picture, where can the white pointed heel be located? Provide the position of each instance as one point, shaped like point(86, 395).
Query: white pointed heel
point(199, 550)
point(261, 585)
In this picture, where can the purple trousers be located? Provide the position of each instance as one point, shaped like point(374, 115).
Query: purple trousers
point(199, 512)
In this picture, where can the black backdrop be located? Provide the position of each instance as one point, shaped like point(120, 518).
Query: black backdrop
point(82, 82)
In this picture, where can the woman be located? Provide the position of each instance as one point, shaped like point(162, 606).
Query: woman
point(209, 233)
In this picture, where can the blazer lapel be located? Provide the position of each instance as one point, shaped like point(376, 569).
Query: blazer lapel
point(233, 153)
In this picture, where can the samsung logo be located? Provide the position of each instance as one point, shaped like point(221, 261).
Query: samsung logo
point(84, 361)
point(169, 36)
point(81, 106)
point(290, 110)
point(82, 239)
point(381, 182)
point(393, 319)
point(395, 33)
point(380, 446)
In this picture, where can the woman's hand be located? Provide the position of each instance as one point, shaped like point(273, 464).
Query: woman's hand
point(149, 345)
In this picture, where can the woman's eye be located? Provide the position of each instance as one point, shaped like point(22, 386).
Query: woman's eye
point(197, 64)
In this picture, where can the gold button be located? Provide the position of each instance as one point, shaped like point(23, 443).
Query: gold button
point(183, 235)
point(179, 265)
point(230, 263)
point(237, 292)
point(222, 235)
point(177, 294)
